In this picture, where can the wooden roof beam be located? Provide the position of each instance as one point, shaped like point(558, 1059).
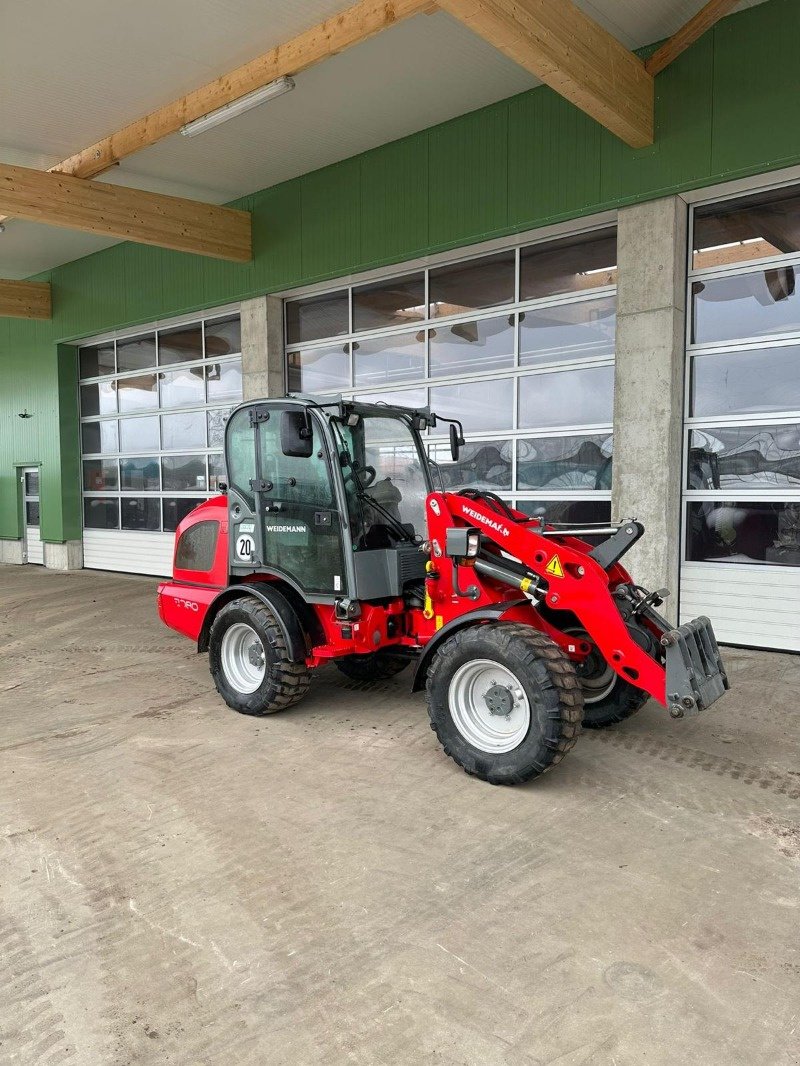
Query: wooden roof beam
point(25, 299)
point(705, 18)
point(128, 214)
point(571, 53)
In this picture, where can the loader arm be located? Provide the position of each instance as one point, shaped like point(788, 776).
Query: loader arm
point(559, 572)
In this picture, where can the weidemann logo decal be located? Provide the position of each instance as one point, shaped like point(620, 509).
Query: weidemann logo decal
point(285, 529)
point(497, 526)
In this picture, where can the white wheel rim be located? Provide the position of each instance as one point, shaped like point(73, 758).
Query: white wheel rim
point(243, 659)
point(489, 706)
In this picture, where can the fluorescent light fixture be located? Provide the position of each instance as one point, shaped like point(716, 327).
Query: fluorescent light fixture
point(238, 107)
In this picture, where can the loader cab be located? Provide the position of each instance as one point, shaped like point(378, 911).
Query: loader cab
point(329, 496)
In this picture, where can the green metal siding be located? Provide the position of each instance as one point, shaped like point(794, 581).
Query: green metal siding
point(724, 109)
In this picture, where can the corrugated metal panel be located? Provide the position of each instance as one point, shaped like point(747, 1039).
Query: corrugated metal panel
point(394, 201)
point(754, 605)
point(331, 234)
point(128, 551)
point(468, 176)
point(755, 87)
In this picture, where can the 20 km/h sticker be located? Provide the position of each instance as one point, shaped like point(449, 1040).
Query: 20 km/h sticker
point(244, 546)
point(554, 567)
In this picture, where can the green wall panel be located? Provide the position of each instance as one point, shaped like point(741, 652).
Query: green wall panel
point(468, 177)
point(724, 108)
point(755, 87)
point(394, 201)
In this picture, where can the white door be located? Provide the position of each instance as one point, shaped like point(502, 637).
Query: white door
point(34, 552)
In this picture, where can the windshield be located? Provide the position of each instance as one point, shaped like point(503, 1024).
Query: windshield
point(386, 486)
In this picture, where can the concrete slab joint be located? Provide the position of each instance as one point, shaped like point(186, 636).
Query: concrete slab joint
point(648, 401)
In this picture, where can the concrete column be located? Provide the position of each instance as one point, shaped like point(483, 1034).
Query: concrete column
point(648, 397)
point(66, 556)
point(11, 552)
point(262, 348)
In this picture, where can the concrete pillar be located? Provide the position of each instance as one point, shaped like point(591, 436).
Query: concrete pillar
point(262, 348)
point(648, 397)
point(11, 552)
point(66, 556)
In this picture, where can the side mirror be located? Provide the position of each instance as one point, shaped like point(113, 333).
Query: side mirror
point(297, 436)
point(456, 440)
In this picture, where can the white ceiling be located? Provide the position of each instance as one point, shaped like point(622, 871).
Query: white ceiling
point(71, 73)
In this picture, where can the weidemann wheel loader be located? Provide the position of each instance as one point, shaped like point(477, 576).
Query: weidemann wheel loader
point(334, 542)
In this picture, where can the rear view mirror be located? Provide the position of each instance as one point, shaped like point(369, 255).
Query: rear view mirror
point(297, 437)
point(455, 442)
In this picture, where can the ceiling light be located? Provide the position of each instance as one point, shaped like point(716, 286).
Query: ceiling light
point(238, 107)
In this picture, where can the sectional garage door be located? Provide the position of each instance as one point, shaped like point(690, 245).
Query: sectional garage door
point(153, 409)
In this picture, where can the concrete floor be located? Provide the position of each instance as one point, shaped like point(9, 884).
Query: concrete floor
point(183, 885)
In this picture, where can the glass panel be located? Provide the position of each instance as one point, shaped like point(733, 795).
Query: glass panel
point(748, 305)
point(100, 399)
point(139, 393)
point(100, 513)
point(462, 287)
point(99, 438)
point(748, 382)
point(183, 473)
point(32, 513)
point(568, 397)
point(216, 426)
point(472, 347)
point(586, 261)
point(176, 509)
point(568, 512)
point(181, 345)
point(565, 462)
point(389, 303)
point(141, 512)
point(138, 353)
point(480, 405)
point(216, 472)
point(413, 398)
point(743, 532)
point(183, 388)
point(197, 547)
point(186, 430)
point(139, 434)
point(141, 474)
point(96, 361)
point(100, 474)
point(223, 337)
point(568, 331)
point(32, 483)
point(317, 317)
point(242, 454)
point(224, 381)
point(319, 369)
point(386, 360)
point(750, 228)
point(482, 465)
point(729, 457)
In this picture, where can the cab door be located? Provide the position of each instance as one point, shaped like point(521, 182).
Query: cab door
point(297, 522)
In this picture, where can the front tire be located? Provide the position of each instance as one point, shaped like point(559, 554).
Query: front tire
point(504, 701)
point(607, 698)
point(250, 662)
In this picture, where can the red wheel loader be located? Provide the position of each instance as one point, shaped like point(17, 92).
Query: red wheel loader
point(335, 542)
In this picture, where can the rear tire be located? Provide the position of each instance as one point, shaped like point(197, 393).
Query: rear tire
point(250, 662)
point(504, 701)
point(622, 702)
point(375, 666)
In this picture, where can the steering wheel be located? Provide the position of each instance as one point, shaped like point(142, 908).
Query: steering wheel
point(366, 475)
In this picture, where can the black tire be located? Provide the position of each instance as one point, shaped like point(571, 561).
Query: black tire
point(549, 681)
point(375, 666)
point(623, 701)
point(285, 681)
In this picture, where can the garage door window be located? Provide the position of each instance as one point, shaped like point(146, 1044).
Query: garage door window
point(153, 412)
point(518, 344)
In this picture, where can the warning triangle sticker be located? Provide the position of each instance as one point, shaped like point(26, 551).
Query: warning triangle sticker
point(554, 567)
